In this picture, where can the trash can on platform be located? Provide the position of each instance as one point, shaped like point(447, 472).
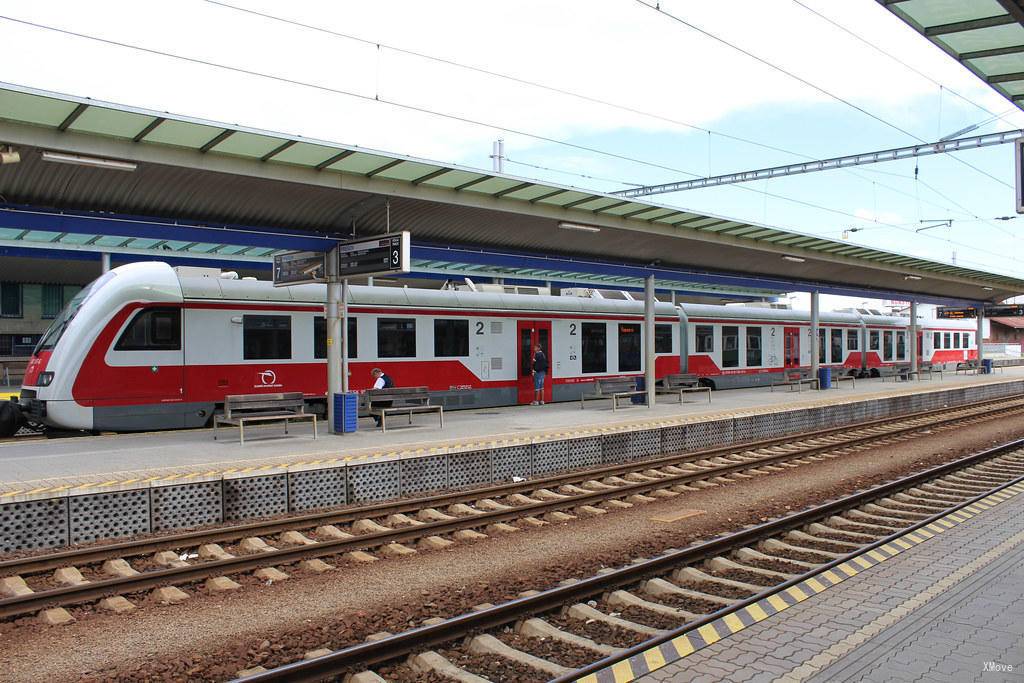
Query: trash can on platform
point(824, 378)
point(346, 412)
point(641, 385)
point(986, 366)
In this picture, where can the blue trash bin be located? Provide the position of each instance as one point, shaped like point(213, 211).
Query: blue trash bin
point(986, 366)
point(824, 378)
point(346, 412)
point(641, 385)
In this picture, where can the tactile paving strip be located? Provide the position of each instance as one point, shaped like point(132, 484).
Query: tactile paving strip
point(315, 489)
point(255, 497)
point(186, 505)
point(96, 516)
point(33, 524)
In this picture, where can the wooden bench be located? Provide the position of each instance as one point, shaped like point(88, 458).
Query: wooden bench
point(796, 378)
point(401, 400)
point(242, 408)
point(613, 388)
point(680, 384)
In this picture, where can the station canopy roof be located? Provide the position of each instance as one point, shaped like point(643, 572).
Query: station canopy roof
point(178, 167)
point(986, 36)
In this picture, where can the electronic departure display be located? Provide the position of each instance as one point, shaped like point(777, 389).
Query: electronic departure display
point(991, 311)
point(375, 256)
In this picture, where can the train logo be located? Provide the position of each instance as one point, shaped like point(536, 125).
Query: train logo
point(266, 379)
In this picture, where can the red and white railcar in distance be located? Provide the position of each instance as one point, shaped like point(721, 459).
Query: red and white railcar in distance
point(147, 346)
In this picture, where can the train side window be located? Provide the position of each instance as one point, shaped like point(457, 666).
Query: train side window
point(705, 338)
point(822, 346)
point(887, 342)
point(873, 341)
point(594, 347)
point(936, 340)
point(852, 340)
point(663, 339)
point(753, 347)
point(320, 337)
point(451, 338)
point(396, 338)
point(730, 346)
point(266, 337)
point(967, 340)
point(152, 329)
point(946, 341)
point(956, 340)
point(837, 346)
point(901, 345)
point(629, 347)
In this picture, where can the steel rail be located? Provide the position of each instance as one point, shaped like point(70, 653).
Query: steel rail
point(423, 637)
point(94, 590)
point(91, 555)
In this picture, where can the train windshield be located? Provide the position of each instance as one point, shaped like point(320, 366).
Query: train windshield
point(56, 330)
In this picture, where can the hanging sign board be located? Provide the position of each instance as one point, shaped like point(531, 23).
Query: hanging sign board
point(383, 255)
point(991, 311)
point(299, 268)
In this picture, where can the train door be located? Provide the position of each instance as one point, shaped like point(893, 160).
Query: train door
point(791, 347)
point(528, 334)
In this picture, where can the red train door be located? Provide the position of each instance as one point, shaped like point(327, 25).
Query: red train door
point(528, 334)
point(791, 347)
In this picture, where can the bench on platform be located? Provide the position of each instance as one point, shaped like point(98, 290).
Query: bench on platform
point(967, 366)
point(927, 370)
point(613, 388)
point(898, 372)
point(680, 384)
point(242, 408)
point(796, 378)
point(836, 379)
point(401, 401)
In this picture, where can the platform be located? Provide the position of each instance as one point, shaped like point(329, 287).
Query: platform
point(948, 609)
point(78, 460)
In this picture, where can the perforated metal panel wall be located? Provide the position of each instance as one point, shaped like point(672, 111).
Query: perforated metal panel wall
point(255, 497)
point(510, 462)
point(644, 443)
point(186, 506)
point(469, 469)
point(374, 481)
point(33, 524)
point(673, 439)
point(117, 514)
point(614, 448)
point(316, 489)
point(424, 474)
point(550, 456)
point(585, 452)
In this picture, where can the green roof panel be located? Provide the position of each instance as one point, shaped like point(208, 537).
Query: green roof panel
point(941, 12)
point(1007, 35)
point(453, 178)
point(41, 111)
point(361, 163)
point(408, 170)
point(183, 134)
point(493, 185)
point(247, 145)
point(111, 122)
point(305, 154)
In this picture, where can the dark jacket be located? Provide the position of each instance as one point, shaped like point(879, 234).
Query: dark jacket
point(388, 383)
point(540, 362)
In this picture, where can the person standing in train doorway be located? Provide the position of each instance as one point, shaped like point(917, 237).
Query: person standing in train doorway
point(539, 372)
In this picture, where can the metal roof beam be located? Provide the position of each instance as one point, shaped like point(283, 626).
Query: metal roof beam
point(381, 169)
point(78, 111)
point(148, 129)
point(277, 150)
point(969, 25)
point(994, 52)
point(334, 159)
point(217, 139)
point(1005, 78)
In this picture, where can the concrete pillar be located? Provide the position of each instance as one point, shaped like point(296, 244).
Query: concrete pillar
point(814, 334)
point(369, 281)
point(915, 360)
point(104, 262)
point(649, 338)
point(335, 343)
point(981, 333)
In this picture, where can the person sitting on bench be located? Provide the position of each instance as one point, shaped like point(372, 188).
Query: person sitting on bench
point(380, 381)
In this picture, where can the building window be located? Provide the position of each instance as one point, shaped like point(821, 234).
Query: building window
point(6, 345)
point(873, 344)
point(822, 346)
point(837, 346)
point(320, 337)
point(936, 340)
point(10, 299)
point(705, 338)
point(887, 348)
point(451, 338)
point(946, 341)
point(53, 300)
point(266, 337)
point(852, 340)
point(901, 345)
point(663, 339)
point(753, 347)
point(730, 346)
point(629, 347)
point(396, 338)
point(153, 329)
point(594, 347)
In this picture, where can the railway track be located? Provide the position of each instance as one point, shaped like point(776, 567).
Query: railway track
point(129, 568)
point(580, 627)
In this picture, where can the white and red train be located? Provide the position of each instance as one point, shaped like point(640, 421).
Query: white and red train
point(147, 346)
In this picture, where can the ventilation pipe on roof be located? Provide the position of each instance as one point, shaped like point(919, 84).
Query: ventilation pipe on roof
point(229, 275)
point(469, 283)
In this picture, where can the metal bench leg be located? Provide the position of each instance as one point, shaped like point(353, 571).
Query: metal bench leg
point(314, 428)
point(286, 425)
point(383, 421)
point(241, 432)
point(215, 425)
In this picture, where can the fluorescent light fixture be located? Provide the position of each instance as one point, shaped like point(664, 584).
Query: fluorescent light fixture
point(911, 277)
point(577, 226)
point(95, 162)
point(794, 259)
point(987, 289)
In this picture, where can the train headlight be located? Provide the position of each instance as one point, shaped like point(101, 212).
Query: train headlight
point(45, 378)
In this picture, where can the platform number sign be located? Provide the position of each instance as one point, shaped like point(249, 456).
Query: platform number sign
point(383, 255)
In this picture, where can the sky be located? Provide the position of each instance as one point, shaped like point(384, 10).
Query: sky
point(601, 94)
